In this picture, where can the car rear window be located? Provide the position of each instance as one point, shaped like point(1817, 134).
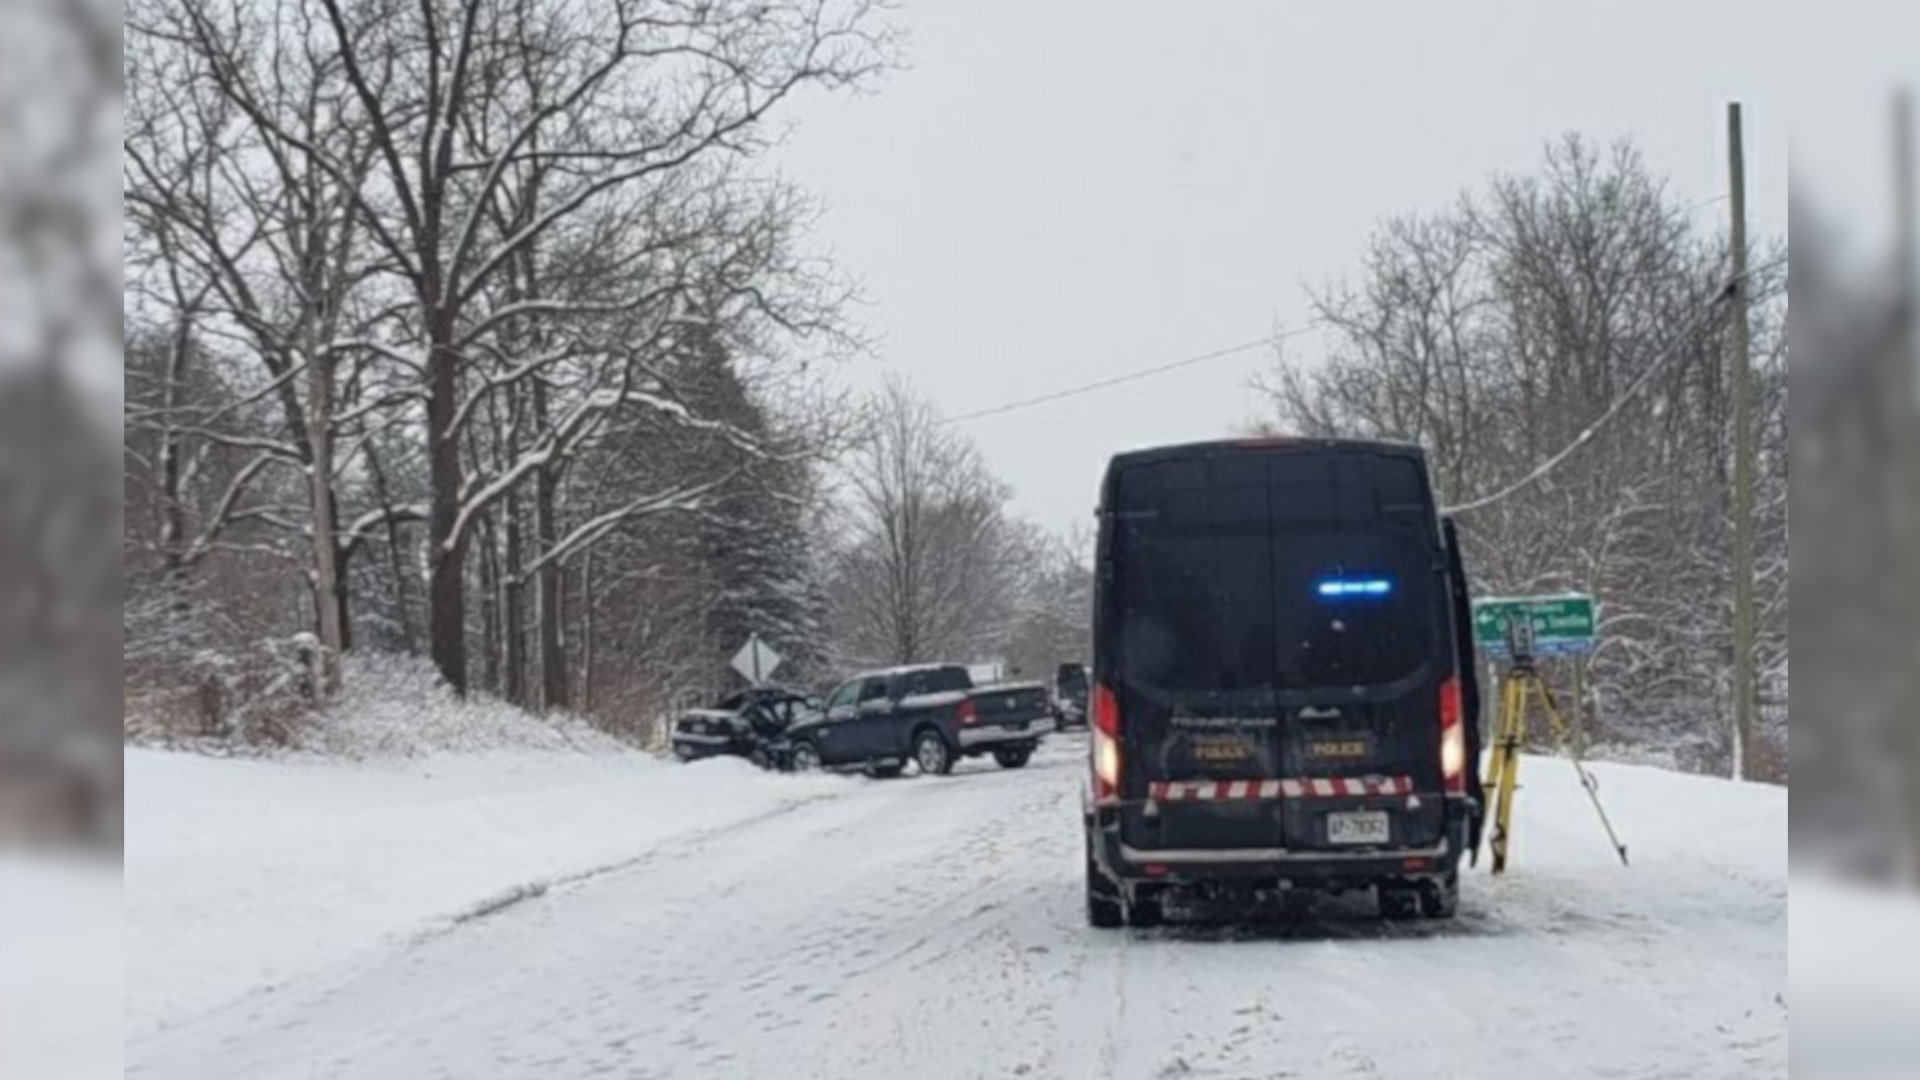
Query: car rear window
point(1291, 571)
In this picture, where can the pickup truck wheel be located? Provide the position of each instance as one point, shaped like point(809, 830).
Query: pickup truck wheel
point(1013, 757)
point(805, 757)
point(931, 754)
point(1104, 911)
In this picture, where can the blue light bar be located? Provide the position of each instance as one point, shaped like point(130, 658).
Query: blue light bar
point(1341, 588)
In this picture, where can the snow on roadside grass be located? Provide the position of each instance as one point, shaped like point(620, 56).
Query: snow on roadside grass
point(243, 874)
point(60, 968)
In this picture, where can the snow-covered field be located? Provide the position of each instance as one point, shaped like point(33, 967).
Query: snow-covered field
point(1855, 983)
point(248, 875)
point(756, 927)
point(60, 971)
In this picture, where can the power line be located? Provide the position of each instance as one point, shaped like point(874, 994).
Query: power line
point(1640, 382)
point(1144, 373)
point(1191, 361)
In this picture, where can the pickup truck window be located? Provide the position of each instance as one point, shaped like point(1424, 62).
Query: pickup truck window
point(934, 681)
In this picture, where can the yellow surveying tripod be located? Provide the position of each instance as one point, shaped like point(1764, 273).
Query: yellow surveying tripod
point(1520, 687)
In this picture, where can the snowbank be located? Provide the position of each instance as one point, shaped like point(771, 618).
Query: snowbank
point(60, 968)
point(397, 707)
point(244, 874)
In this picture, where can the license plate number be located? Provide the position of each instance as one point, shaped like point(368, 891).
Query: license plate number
point(1359, 827)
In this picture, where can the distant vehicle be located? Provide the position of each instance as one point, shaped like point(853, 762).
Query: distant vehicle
point(1283, 694)
point(929, 715)
point(747, 724)
point(1070, 696)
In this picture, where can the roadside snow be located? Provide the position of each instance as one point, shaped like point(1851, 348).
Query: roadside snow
point(1856, 995)
point(396, 707)
point(60, 968)
point(934, 926)
point(242, 875)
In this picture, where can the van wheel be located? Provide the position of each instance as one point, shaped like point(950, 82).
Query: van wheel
point(931, 754)
point(1145, 913)
point(1441, 900)
point(1399, 902)
point(1013, 758)
point(1103, 902)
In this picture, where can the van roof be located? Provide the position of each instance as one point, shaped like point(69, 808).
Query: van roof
point(1265, 443)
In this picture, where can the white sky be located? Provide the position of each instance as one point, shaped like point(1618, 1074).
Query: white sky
point(1059, 192)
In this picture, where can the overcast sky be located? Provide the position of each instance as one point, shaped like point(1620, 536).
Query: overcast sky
point(1060, 192)
point(1846, 57)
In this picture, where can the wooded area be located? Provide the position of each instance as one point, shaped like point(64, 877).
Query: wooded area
point(1495, 333)
point(474, 329)
point(470, 328)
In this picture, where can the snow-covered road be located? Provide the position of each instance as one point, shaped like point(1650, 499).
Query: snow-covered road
point(932, 928)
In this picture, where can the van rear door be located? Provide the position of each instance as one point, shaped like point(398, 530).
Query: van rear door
point(1277, 620)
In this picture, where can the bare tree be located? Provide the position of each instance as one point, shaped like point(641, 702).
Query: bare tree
point(926, 568)
point(517, 210)
point(1497, 332)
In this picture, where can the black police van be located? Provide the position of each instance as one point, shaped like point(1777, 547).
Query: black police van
point(1283, 700)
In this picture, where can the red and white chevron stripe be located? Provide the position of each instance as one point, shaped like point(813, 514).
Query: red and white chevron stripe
point(1319, 787)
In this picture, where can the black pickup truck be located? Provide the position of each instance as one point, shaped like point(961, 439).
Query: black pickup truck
point(930, 715)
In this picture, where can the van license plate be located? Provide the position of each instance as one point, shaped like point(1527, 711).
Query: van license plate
point(1362, 827)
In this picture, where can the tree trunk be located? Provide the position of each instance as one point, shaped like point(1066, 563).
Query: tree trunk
point(553, 660)
point(514, 599)
point(446, 580)
point(396, 563)
point(173, 526)
point(586, 631)
point(489, 606)
point(327, 586)
point(342, 583)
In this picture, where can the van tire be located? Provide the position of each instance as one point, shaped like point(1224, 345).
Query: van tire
point(1441, 899)
point(1145, 913)
point(1399, 902)
point(1104, 911)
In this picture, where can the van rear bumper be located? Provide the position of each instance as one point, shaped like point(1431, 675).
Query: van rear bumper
point(1128, 865)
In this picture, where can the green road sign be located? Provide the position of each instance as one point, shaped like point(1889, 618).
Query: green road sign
point(1561, 624)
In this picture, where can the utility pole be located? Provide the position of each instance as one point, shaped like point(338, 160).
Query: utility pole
point(1740, 380)
point(1901, 400)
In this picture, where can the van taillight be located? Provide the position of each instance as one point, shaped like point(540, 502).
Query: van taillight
point(1453, 738)
point(1106, 710)
point(1106, 743)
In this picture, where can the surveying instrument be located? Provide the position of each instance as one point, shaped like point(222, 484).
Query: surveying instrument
point(1520, 689)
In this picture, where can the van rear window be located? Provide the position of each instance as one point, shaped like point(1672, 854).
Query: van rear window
point(1294, 572)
